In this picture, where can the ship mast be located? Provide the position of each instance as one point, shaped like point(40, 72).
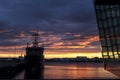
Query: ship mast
point(35, 42)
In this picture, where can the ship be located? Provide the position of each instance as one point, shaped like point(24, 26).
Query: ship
point(34, 60)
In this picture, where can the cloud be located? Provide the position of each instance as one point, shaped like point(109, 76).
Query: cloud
point(3, 31)
point(62, 24)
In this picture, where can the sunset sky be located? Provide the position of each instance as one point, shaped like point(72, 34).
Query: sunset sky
point(67, 28)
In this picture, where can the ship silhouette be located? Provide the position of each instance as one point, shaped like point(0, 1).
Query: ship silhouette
point(34, 60)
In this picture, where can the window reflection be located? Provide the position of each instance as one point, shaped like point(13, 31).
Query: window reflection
point(109, 29)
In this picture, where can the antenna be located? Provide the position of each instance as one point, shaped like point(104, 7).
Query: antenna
point(27, 44)
point(37, 29)
point(35, 35)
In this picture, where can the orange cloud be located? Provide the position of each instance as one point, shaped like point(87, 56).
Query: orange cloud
point(21, 35)
point(4, 31)
point(58, 46)
point(68, 33)
point(12, 47)
point(89, 40)
point(70, 44)
point(55, 43)
point(77, 35)
point(39, 32)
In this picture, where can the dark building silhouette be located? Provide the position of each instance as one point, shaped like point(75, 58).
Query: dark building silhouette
point(108, 20)
point(34, 60)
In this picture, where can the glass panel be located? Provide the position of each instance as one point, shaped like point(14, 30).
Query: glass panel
point(111, 31)
point(119, 31)
point(112, 6)
point(97, 7)
point(116, 56)
point(104, 49)
point(115, 53)
point(110, 54)
point(103, 15)
point(118, 11)
point(105, 56)
point(119, 48)
point(100, 23)
point(114, 48)
point(113, 41)
point(110, 22)
point(110, 49)
point(118, 40)
point(108, 42)
point(107, 6)
point(102, 7)
point(105, 24)
point(98, 14)
point(107, 32)
point(114, 12)
point(119, 55)
point(105, 53)
point(118, 20)
point(103, 42)
point(102, 33)
point(115, 21)
point(116, 30)
point(108, 13)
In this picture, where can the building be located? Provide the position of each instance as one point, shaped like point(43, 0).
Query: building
point(108, 20)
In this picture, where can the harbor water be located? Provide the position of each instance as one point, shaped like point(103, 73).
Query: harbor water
point(73, 70)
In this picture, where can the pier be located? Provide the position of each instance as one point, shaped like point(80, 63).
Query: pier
point(9, 69)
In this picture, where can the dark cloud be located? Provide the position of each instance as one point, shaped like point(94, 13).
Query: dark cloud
point(53, 17)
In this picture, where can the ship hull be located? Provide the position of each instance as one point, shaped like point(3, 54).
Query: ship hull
point(34, 63)
point(34, 67)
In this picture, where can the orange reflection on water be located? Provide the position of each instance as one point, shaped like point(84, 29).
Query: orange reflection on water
point(77, 71)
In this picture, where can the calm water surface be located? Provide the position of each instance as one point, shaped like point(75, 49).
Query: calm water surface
point(76, 71)
point(60, 70)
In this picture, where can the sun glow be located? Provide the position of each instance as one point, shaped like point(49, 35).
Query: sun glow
point(71, 55)
point(48, 55)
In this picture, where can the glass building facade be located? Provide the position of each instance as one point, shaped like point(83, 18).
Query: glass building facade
point(108, 20)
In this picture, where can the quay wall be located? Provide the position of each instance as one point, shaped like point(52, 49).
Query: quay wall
point(8, 72)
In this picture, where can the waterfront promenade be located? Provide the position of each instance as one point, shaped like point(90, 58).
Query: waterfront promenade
point(114, 68)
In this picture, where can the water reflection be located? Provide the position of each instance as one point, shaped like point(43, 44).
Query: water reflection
point(69, 71)
point(34, 72)
point(77, 71)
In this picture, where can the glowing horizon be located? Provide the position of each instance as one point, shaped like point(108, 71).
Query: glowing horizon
point(48, 55)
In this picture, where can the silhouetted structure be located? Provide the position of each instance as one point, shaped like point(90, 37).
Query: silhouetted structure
point(108, 19)
point(34, 60)
point(10, 67)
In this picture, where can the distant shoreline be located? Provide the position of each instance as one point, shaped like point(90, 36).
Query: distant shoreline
point(92, 64)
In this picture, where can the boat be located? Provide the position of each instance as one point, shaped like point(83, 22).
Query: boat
point(34, 60)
